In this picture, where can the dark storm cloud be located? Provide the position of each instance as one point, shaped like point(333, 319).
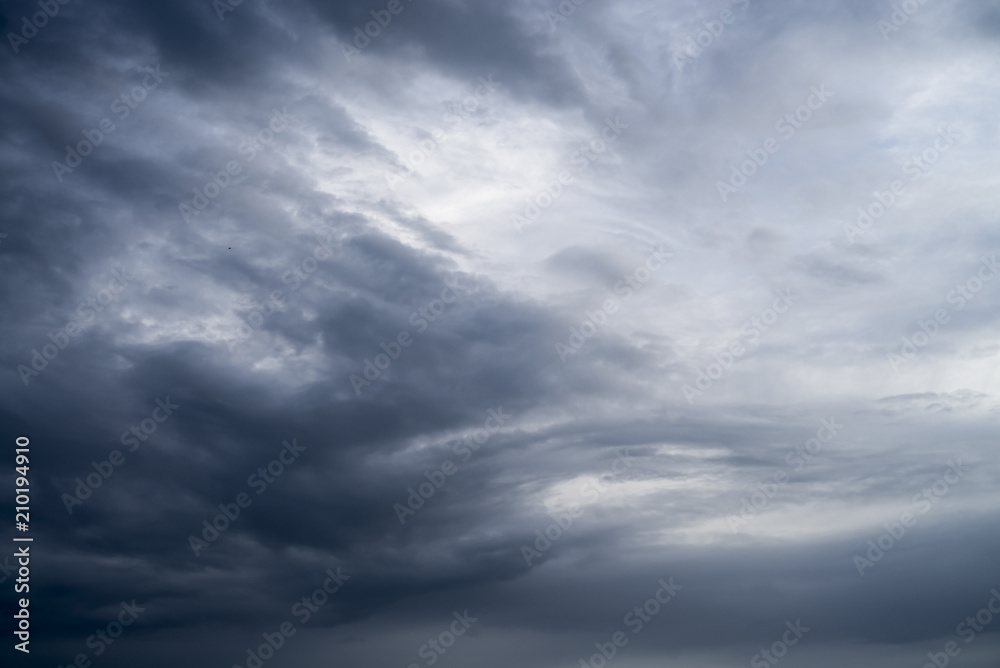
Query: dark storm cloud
point(465, 40)
point(310, 214)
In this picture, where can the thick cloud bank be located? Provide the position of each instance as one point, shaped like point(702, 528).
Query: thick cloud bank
point(481, 333)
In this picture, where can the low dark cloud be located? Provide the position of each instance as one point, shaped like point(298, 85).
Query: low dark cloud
point(253, 265)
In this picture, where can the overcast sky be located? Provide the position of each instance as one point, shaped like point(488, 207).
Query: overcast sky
point(662, 329)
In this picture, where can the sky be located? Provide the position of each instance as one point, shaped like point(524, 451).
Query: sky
point(477, 333)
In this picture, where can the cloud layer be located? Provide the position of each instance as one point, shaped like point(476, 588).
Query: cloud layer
point(509, 311)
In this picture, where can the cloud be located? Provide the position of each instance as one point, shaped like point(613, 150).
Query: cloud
point(250, 197)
